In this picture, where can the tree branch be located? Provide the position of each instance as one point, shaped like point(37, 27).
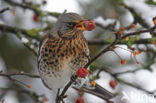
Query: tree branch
point(87, 91)
point(102, 52)
point(32, 50)
point(5, 9)
point(33, 8)
point(33, 95)
point(137, 17)
point(139, 32)
point(129, 71)
point(15, 30)
point(18, 74)
point(106, 42)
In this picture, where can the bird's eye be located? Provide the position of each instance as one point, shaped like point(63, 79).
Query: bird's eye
point(71, 24)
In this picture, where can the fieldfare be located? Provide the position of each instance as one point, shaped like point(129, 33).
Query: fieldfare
point(64, 50)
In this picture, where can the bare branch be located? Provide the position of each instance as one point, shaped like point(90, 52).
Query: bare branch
point(139, 32)
point(129, 71)
point(16, 30)
point(33, 95)
point(32, 50)
point(137, 16)
point(106, 42)
point(33, 8)
point(19, 73)
point(5, 9)
point(87, 91)
point(102, 52)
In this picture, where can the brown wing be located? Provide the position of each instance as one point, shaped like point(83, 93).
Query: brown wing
point(43, 56)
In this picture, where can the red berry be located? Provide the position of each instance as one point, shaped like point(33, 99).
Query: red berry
point(137, 62)
point(35, 17)
point(82, 72)
point(113, 83)
point(79, 100)
point(122, 28)
point(154, 21)
point(44, 99)
point(29, 86)
point(133, 26)
point(14, 12)
point(123, 62)
point(90, 25)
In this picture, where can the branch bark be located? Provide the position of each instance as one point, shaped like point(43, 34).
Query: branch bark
point(106, 42)
point(16, 30)
point(5, 9)
point(33, 8)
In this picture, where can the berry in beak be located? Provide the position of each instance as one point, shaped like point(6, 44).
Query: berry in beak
point(86, 25)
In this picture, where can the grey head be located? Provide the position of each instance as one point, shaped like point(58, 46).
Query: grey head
point(66, 23)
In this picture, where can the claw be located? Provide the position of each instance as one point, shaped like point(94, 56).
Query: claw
point(59, 98)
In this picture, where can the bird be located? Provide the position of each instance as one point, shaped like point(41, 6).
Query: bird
point(63, 50)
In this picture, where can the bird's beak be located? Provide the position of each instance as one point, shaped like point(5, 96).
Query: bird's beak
point(86, 25)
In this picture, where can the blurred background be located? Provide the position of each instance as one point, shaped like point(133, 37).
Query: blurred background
point(24, 22)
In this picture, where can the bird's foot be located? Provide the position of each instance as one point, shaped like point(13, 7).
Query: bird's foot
point(59, 98)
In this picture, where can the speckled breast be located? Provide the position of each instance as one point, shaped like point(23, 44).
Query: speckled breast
point(59, 58)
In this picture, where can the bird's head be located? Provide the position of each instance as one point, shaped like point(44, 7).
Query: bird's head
point(70, 24)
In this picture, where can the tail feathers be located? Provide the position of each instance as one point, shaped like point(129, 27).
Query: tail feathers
point(98, 91)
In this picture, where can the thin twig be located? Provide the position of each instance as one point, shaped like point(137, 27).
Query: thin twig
point(102, 52)
point(129, 71)
point(87, 91)
point(19, 73)
point(106, 42)
point(16, 30)
point(33, 95)
point(33, 8)
point(5, 9)
point(137, 16)
point(139, 32)
point(11, 2)
point(31, 49)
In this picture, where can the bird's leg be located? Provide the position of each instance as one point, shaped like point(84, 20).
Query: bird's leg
point(58, 92)
point(59, 98)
